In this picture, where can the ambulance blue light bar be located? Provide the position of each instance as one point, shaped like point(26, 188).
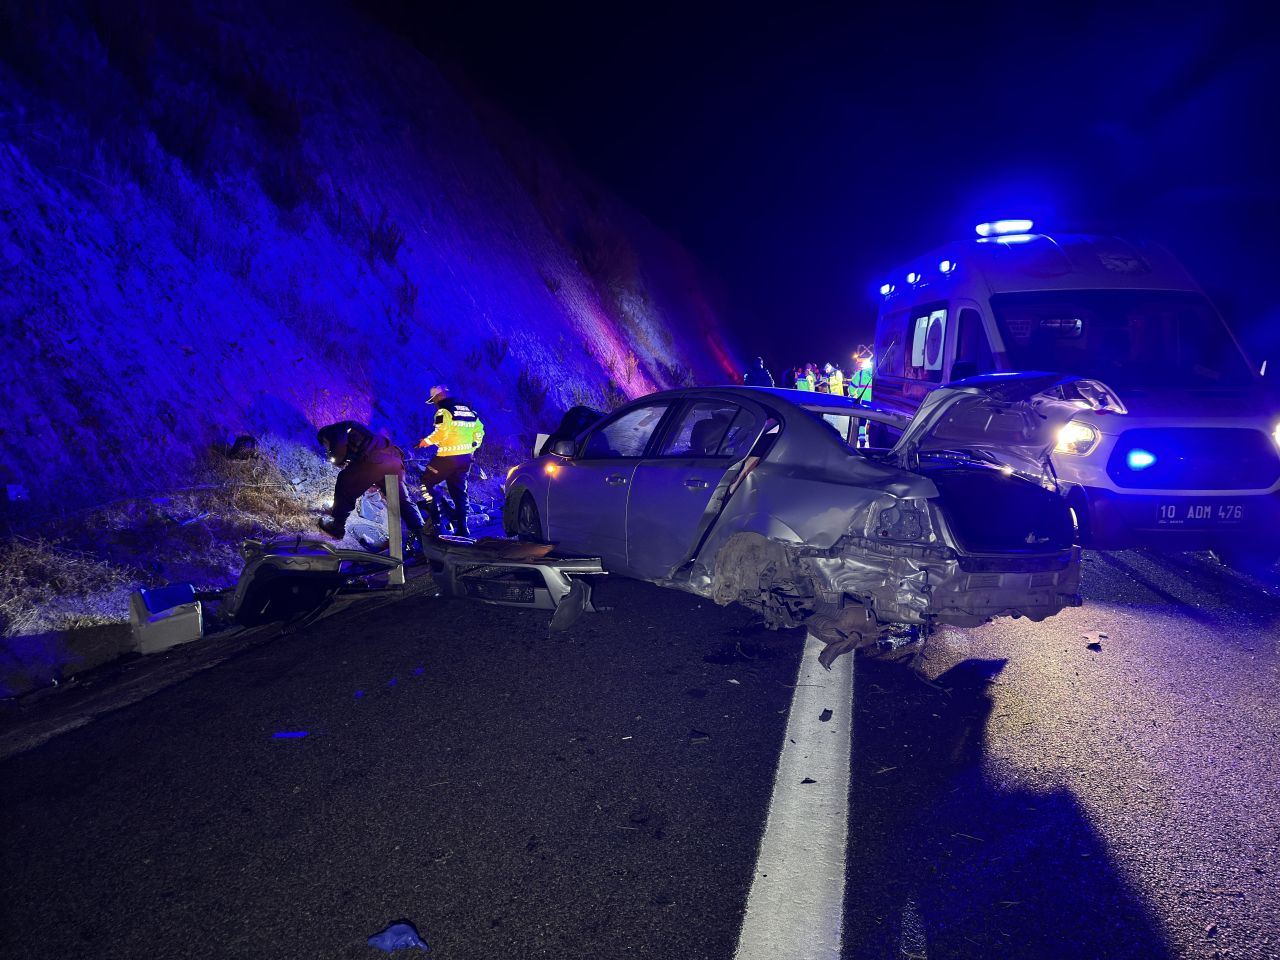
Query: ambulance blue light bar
point(886, 289)
point(946, 266)
point(913, 277)
point(1003, 228)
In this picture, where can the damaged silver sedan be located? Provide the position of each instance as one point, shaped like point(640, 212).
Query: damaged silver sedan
point(764, 497)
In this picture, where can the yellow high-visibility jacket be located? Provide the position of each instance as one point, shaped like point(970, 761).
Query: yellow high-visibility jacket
point(456, 430)
point(835, 383)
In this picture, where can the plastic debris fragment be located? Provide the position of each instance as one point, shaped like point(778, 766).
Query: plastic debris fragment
point(401, 934)
point(825, 715)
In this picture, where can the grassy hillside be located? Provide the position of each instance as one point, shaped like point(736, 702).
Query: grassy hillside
point(238, 217)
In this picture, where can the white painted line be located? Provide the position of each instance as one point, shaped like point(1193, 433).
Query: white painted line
point(796, 906)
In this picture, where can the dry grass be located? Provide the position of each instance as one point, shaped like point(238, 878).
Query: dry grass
point(48, 586)
point(80, 572)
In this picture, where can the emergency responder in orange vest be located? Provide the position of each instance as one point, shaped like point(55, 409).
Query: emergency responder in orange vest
point(455, 435)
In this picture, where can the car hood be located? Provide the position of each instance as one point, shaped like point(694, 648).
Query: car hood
point(1012, 418)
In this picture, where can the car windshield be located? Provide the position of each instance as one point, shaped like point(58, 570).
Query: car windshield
point(1135, 339)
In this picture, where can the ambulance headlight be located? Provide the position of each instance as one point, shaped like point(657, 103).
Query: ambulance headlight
point(1076, 439)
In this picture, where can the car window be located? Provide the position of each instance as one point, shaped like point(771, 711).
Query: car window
point(700, 430)
point(842, 424)
point(626, 435)
point(741, 435)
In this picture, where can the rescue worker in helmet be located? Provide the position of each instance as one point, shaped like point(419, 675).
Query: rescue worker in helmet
point(456, 434)
point(835, 379)
point(366, 459)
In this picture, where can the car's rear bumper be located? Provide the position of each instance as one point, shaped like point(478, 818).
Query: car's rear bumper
point(906, 584)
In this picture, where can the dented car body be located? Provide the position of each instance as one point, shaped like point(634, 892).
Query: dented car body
point(762, 497)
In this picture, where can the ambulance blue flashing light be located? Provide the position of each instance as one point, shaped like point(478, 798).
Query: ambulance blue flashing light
point(1140, 459)
point(913, 277)
point(947, 266)
point(1003, 228)
point(1010, 238)
point(886, 289)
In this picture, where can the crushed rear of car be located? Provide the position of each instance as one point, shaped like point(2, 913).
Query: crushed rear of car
point(958, 523)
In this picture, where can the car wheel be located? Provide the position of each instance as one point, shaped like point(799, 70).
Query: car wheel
point(528, 523)
point(1254, 559)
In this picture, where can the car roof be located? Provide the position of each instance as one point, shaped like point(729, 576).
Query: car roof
point(806, 398)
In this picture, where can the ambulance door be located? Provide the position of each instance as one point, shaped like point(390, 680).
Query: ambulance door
point(970, 350)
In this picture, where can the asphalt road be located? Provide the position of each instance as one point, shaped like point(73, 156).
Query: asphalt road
point(602, 793)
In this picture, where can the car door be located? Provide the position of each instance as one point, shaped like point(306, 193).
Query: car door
point(672, 489)
point(587, 495)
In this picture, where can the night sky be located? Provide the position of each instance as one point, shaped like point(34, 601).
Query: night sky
point(802, 152)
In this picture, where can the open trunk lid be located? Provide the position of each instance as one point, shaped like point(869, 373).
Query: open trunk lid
point(1012, 418)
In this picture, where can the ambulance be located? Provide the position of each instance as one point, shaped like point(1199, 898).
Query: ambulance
point(1184, 456)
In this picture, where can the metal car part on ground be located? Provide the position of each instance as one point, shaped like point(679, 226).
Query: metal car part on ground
point(515, 574)
point(761, 497)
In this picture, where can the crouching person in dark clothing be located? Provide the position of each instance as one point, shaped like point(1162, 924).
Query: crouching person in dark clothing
point(366, 459)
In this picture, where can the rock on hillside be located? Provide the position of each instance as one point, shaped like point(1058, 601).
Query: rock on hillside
point(225, 217)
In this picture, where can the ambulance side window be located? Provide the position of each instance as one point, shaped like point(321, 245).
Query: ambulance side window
point(928, 336)
point(973, 349)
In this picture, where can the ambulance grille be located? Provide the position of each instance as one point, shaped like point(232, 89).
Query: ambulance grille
point(1195, 458)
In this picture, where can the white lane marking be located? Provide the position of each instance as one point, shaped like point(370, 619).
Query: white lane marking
point(796, 906)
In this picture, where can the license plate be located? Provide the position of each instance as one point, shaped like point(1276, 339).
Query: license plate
point(1206, 514)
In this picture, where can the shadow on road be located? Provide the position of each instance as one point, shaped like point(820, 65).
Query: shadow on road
point(944, 862)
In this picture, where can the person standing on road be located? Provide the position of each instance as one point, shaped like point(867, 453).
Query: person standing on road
point(835, 379)
point(366, 460)
point(455, 436)
point(758, 375)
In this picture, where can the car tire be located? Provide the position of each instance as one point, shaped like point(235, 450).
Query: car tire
point(528, 525)
point(1256, 560)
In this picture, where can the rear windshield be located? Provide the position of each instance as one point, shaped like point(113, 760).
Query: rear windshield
point(1125, 338)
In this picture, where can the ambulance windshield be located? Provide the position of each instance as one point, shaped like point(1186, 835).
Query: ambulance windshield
point(1136, 339)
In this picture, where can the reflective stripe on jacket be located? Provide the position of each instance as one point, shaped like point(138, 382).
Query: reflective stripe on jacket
point(456, 430)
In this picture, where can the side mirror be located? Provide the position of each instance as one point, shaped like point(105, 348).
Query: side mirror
point(564, 448)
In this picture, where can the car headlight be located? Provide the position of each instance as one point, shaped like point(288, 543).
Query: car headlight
point(1276, 434)
point(1076, 438)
